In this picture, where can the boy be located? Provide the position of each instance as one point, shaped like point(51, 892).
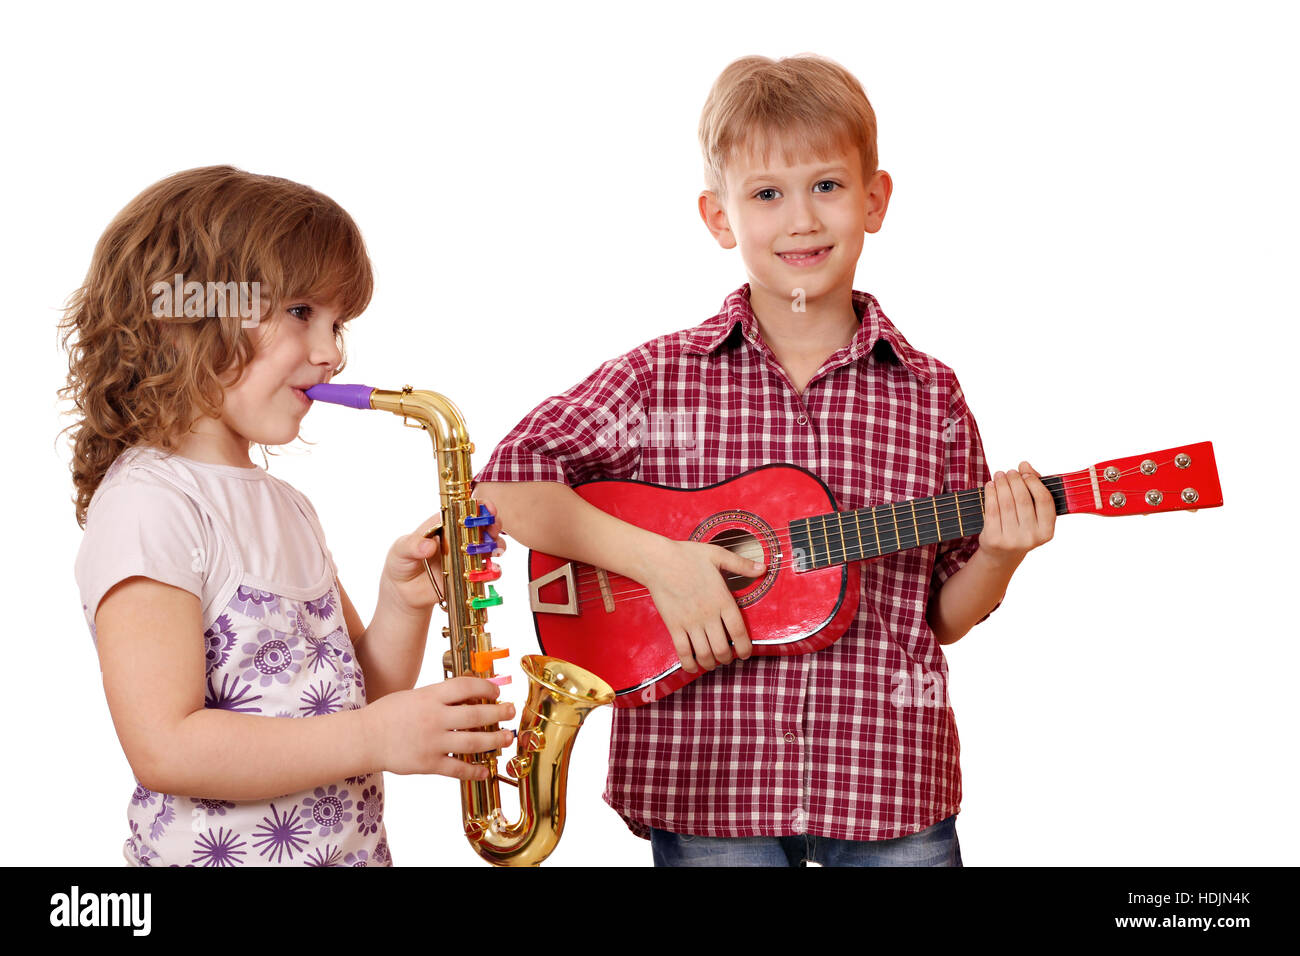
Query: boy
point(836, 756)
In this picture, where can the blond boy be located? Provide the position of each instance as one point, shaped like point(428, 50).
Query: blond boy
point(778, 760)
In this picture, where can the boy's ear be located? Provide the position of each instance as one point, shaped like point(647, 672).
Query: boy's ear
point(715, 219)
point(879, 188)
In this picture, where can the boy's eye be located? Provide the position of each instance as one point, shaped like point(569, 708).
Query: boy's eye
point(826, 182)
point(766, 194)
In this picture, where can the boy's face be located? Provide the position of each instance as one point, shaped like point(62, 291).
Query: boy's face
point(798, 225)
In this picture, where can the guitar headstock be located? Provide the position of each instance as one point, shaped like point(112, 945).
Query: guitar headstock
point(1173, 479)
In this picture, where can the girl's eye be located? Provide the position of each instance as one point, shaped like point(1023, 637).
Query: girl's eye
point(826, 182)
point(294, 310)
point(765, 194)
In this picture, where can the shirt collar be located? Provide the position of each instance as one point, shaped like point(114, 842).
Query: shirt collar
point(874, 326)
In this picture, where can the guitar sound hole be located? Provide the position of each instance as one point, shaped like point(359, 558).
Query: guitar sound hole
point(741, 542)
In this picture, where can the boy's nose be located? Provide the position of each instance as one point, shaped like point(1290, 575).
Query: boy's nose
point(802, 215)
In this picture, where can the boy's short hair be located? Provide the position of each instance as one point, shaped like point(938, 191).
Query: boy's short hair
point(809, 104)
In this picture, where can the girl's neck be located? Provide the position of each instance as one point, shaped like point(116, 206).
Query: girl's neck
point(213, 443)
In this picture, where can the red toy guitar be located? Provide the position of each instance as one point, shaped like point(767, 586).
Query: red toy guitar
point(809, 592)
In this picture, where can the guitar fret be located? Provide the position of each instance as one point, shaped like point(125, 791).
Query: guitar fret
point(916, 529)
point(843, 552)
point(876, 526)
point(825, 541)
point(898, 540)
point(956, 501)
point(857, 523)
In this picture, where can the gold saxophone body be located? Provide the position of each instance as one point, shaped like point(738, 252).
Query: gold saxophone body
point(560, 694)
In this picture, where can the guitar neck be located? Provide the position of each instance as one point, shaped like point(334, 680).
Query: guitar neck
point(823, 540)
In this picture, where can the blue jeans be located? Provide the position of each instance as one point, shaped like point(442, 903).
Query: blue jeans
point(933, 846)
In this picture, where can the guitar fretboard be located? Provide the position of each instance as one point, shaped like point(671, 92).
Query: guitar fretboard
point(823, 540)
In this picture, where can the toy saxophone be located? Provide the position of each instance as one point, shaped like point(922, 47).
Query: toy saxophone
point(560, 694)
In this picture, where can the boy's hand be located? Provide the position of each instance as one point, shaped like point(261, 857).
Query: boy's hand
point(404, 581)
point(417, 731)
point(699, 611)
point(1019, 515)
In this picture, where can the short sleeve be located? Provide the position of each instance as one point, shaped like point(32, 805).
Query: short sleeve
point(140, 525)
point(576, 436)
point(965, 467)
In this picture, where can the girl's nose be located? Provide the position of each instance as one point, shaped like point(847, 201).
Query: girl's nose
point(325, 347)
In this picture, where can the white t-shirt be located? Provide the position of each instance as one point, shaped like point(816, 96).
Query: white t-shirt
point(251, 547)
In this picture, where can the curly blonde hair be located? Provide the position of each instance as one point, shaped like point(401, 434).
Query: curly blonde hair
point(137, 379)
point(809, 104)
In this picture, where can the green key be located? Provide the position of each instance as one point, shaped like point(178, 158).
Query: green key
point(491, 600)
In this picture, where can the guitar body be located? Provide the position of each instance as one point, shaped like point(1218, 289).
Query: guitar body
point(608, 623)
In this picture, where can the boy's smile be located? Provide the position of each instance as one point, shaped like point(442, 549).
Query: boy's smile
point(799, 225)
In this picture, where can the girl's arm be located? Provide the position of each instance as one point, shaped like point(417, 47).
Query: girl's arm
point(152, 658)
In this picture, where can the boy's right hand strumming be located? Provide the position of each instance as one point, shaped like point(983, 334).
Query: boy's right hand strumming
point(686, 580)
point(420, 730)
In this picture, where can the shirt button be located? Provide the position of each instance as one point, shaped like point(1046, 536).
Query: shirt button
point(802, 419)
point(789, 737)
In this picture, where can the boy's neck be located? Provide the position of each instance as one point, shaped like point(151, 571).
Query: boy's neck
point(800, 339)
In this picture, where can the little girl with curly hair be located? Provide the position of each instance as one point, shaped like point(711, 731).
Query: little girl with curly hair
point(255, 709)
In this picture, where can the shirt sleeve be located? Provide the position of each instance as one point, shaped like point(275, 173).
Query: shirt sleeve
point(140, 526)
point(965, 467)
point(587, 432)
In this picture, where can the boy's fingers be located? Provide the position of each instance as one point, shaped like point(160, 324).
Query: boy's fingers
point(992, 519)
point(1023, 499)
point(682, 644)
point(703, 654)
point(718, 643)
point(737, 631)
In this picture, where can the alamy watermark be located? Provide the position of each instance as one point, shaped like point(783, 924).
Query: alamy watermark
point(632, 428)
point(179, 299)
point(77, 908)
point(918, 688)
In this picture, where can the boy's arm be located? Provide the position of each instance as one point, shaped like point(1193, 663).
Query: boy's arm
point(1019, 515)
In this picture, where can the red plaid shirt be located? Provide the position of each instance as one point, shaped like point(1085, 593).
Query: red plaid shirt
point(856, 741)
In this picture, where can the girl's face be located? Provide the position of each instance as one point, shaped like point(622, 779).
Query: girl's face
point(295, 349)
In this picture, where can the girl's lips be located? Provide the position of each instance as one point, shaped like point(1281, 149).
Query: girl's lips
point(301, 394)
point(802, 260)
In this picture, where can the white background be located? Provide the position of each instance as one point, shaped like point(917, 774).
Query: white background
point(1093, 223)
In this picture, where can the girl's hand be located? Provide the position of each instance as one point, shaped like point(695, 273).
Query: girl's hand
point(405, 582)
point(417, 731)
point(1019, 515)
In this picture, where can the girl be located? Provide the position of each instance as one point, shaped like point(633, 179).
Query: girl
point(213, 301)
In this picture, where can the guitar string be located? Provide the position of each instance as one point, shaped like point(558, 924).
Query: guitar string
point(588, 589)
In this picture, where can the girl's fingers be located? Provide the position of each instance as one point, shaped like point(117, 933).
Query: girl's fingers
point(477, 741)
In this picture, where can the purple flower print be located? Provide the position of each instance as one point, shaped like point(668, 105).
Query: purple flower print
point(272, 657)
point(323, 607)
point(165, 815)
point(358, 781)
point(327, 809)
point(216, 808)
point(324, 856)
point(230, 698)
point(338, 639)
point(139, 850)
point(142, 797)
point(256, 604)
point(220, 849)
point(319, 700)
point(382, 856)
point(357, 858)
point(320, 654)
point(370, 809)
point(219, 640)
point(280, 835)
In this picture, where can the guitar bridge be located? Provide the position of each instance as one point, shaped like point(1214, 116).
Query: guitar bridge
point(563, 573)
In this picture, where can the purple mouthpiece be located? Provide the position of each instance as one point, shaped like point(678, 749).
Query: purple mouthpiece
point(353, 396)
